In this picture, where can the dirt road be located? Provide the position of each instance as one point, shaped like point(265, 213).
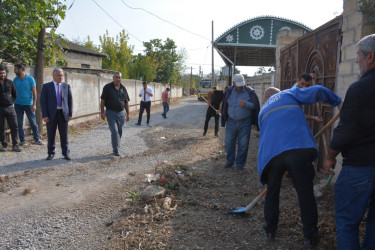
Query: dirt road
point(93, 201)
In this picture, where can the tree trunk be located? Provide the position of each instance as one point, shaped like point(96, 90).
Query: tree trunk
point(39, 76)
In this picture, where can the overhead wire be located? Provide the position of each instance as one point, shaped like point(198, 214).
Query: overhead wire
point(110, 16)
point(164, 20)
point(116, 21)
point(136, 8)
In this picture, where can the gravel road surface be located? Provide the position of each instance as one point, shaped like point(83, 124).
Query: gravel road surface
point(61, 204)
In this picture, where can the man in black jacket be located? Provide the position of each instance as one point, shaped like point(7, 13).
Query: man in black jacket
point(213, 100)
point(8, 94)
point(240, 110)
point(354, 137)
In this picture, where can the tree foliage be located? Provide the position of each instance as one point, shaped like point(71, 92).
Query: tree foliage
point(142, 68)
point(164, 59)
point(119, 53)
point(87, 43)
point(20, 23)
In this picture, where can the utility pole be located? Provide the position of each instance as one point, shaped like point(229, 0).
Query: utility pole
point(191, 78)
point(212, 44)
point(39, 68)
point(39, 74)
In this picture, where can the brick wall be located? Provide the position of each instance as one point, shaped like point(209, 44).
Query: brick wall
point(355, 26)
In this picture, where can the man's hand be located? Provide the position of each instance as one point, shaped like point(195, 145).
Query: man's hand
point(315, 118)
point(102, 115)
point(33, 108)
point(127, 117)
point(329, 164)
point(46, 119)
point(242, 103)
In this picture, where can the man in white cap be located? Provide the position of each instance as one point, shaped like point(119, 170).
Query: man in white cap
point(240, 111)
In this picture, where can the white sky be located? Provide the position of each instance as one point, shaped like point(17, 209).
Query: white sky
point(85, 18)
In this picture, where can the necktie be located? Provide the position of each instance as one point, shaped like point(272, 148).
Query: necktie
point(58, 96)
point(144, 94)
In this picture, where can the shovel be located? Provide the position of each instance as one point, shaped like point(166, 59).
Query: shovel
point(242, 210)
point(212, 106)
point(245, 209)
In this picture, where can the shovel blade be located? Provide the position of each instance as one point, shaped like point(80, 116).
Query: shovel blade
point(240, 210)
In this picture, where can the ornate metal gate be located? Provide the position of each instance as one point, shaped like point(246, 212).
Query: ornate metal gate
point(318, 52)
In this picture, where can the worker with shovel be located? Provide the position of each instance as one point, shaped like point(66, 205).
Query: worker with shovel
point(286, 143)
point(213, 100)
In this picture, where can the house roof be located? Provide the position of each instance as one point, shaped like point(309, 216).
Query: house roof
point(70, 46)
point(253, 42)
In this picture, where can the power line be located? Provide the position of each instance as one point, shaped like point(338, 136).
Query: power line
point(165, 20)
point(116, 21)
point(71, 5)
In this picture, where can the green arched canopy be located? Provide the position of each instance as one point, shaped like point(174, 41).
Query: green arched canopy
point(253, 42)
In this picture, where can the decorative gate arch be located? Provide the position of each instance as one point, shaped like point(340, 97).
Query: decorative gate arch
point(253, 42)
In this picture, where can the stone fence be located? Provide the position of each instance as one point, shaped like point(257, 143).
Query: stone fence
point(260, 84)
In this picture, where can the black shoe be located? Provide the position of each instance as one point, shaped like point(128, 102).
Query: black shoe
point(148, 125)
point(138, 124)
point(270, 237)
point(50, 157)
point(16, 148)
point(204, 133)
point(67, 157)
point(216, 134)
point(228, 165)
point(310, 244)
point(3, 149)
point(314, 242)
point(116, 153)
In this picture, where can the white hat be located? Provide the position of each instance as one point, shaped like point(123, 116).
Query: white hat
point(239, 80)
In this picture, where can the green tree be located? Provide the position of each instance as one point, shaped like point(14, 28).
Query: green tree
point(20, 23)
point(142, 68)
point(164, 59)
point(260, 71)
point(87, 43)
point(119, 53)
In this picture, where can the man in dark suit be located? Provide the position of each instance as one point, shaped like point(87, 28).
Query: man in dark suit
point(57, 108)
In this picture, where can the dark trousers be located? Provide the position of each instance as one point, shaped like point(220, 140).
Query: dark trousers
point(210, 112)
point(58, 123)
point(298, 163)
point(143, 106)
point(9, 114)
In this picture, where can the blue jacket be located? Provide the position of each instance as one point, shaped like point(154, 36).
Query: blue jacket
point(283, 124)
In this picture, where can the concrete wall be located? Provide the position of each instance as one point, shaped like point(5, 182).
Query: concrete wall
point(355, 26)
point(260, 84)
point(87, 86)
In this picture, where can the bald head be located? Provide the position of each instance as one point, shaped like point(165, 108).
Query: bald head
point(270, 92)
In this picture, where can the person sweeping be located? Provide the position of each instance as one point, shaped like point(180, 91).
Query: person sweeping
point(286, 143)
